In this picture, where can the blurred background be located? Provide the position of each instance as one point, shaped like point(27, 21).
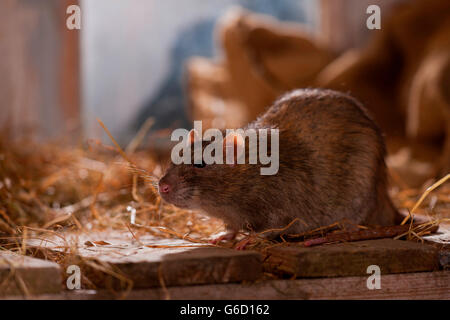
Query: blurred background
point(223, 62)
point(126, 62)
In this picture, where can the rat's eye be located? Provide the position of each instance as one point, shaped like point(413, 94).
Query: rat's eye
point(200, 165)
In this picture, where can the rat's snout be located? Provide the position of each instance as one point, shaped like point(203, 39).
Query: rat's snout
point(164, 187)
point(169, 189)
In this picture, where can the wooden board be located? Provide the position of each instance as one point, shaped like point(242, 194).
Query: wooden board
point(444, 259)
point(352, 258)
point(422, 285)
point(21, 275)
point(441, 239)
point(118, 260)
point(143, 265)
point(39, 67)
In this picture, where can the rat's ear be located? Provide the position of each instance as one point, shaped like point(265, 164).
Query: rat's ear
point(233, 146)
point(192, 136)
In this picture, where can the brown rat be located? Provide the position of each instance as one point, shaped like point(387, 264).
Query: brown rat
point(331, 168)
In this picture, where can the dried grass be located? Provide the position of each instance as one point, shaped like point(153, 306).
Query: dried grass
point(49, 190)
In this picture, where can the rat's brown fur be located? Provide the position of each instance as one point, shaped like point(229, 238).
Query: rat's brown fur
point(331, 169)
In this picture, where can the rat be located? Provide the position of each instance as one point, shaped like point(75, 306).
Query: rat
point(331, 169)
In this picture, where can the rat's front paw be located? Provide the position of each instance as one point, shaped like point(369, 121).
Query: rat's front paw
point(226, 237)
point(241, 245)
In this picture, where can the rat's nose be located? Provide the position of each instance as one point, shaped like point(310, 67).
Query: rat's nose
point(164, 187)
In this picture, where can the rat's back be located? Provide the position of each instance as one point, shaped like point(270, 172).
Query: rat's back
point(331, 160)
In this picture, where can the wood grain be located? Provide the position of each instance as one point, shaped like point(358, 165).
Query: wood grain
point(353, 258)
point(39, 67)
point(422, 285)
point(21, 275)
point(152, 262)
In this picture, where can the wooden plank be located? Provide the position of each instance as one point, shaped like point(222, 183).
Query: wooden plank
point(441, 239)
point(444, 259)
point(69, 71)
point(353, 258)
point(21, 275)
point(422, 285)
point(39, 67)
point(149, 263)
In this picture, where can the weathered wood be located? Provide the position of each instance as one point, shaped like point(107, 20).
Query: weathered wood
point(351, 259)
point(155, 262)
point(39, 67)
point(181, 266)
point(21, 275)
point(367, 234)
point(423, 285)
point(441, 239)
point(444, 259)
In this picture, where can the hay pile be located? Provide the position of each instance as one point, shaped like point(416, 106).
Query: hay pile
point(88, 188)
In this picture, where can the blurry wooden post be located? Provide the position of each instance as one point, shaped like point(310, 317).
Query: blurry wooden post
point(343, 22)
point(70, 71)
point(39, 69)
